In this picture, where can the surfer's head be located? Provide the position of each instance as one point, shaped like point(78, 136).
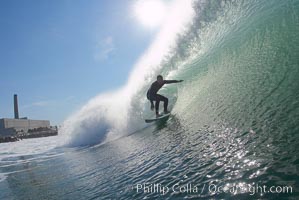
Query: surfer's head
point(160, 79)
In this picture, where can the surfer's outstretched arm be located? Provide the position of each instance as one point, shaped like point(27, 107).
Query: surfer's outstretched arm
point(172, 81)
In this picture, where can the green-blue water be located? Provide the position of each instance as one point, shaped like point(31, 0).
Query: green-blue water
point(235, 121)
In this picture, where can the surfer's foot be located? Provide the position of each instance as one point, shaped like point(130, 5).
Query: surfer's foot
point(166, 112)
point(158, 115)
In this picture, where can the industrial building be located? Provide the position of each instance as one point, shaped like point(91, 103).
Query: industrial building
point(23, 127)
point(13, 126)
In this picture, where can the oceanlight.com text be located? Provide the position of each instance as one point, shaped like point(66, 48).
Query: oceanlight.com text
point(252, 190)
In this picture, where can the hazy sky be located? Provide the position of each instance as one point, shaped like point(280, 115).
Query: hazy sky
point(57, 54)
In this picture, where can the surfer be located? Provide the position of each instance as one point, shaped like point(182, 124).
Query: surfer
point(153, 96)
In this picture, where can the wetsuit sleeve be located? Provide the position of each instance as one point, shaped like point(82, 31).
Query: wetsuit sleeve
point(148, 95)
point(170, 81)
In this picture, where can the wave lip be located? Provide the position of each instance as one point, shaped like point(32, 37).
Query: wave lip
point(111, 115)
point(99, 120)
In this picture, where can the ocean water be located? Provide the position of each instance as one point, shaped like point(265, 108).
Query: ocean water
point(233, 132)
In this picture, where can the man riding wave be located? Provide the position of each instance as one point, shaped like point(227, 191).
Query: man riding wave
point(153, 96)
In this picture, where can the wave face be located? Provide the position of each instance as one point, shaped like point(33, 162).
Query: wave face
point(242, 69)
point(239, 60)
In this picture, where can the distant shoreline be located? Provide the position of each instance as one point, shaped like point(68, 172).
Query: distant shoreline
point(15, 138)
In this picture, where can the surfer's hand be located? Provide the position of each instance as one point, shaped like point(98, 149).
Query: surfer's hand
point(181, 80)
point(152, 106)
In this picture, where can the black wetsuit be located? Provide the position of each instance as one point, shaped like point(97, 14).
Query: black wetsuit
point(153, 96)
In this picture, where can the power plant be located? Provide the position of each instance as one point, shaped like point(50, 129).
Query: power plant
point(16, 109)
point(21, 128)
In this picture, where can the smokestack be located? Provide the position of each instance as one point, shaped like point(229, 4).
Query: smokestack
point(16, 106)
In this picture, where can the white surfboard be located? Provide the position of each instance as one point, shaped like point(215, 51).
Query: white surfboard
point(157, 119)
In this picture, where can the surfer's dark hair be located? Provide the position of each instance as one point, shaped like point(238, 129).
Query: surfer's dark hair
point(159, 76)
